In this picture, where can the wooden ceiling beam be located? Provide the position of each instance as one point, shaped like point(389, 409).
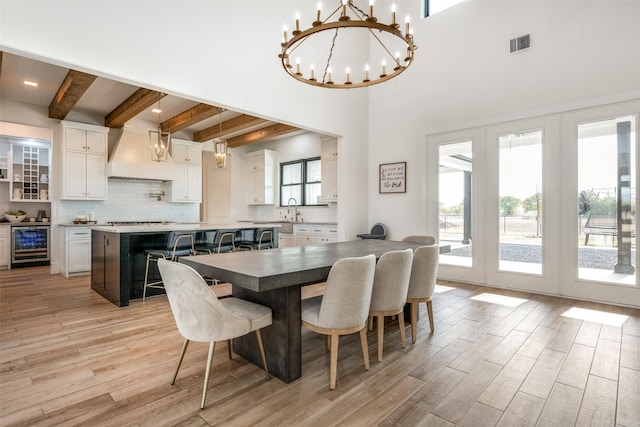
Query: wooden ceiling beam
point(132, 106)
point(260, 134)
point(74, 85)
point(189, 117)
point(229, 126)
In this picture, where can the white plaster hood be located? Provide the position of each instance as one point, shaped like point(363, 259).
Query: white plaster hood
point(130, 157)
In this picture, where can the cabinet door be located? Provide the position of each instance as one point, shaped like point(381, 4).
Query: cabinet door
point(75, 172)
point(194, 183)
point(195, 155)
point(180, 152)
point(4, 246)
point(256, 162)
point(75, 139)
point(179, 185)
point(329, 183)
point(285, 240)
point(96, 142)
point(78, 255)
point(96, 178)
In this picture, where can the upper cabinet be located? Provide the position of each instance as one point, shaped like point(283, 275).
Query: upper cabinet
point(187, 185)
point(261, 177)
point(27, 168)
point(84, 162)
point(329, 162)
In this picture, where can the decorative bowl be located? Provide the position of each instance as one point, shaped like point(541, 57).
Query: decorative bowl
point(14, 218)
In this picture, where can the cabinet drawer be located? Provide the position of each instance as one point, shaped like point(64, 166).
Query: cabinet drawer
point(4, 231)
point(79, 233)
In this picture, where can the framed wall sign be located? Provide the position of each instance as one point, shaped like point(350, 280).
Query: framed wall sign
point(393, 178)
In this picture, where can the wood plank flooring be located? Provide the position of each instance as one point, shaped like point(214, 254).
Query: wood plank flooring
point(69, 357)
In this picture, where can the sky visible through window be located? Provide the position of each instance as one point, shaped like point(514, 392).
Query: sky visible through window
point(435, 6)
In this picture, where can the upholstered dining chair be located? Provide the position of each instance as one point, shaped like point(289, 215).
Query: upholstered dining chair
point(200, 316)
point(390, 288)
point(422, 283)
point(343, 308)
point(423, 239)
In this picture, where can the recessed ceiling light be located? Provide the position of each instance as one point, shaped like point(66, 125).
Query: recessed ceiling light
point(156, 110)
point(30, 83)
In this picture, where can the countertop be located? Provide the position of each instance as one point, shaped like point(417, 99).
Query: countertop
point(147, 228)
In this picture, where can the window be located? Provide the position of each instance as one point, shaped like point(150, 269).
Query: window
point(431, 7)
point(302, 181)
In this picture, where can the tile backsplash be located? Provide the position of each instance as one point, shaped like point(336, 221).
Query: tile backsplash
point(131, 200)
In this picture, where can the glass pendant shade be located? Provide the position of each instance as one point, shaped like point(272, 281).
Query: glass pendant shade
point(220, 152)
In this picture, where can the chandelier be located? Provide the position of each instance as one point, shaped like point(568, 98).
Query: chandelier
point(159, 140)
point(220, 146)
point(384, 42)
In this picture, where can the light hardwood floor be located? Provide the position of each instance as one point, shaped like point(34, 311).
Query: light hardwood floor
point(497, 358)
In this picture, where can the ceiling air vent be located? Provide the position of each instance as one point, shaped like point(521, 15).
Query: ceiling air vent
point(520, 43)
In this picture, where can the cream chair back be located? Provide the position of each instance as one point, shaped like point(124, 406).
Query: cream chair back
point(199, 315)
point(391, 281)
point(347, 296)
point(423, 272)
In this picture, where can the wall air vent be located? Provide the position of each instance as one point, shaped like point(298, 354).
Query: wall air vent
point(520, 43)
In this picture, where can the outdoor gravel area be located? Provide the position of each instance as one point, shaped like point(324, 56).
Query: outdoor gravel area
point(599, 258)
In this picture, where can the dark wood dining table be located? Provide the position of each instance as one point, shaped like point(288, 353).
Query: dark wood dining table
point(274, 277)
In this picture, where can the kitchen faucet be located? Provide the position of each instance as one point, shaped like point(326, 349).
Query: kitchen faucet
point(296, 212)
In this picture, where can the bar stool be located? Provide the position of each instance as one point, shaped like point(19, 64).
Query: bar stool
point(179, 243)
point(224, 242)
point(245, 239)
point(264, 239)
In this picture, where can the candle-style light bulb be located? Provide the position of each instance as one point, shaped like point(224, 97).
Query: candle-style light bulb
point(298, 66)
point(397, 58)
point(407, 20)
point(329, 75)
point(344, 7)
point(384, 68)
point(297, 22)
point(348, 70)
point(371, 8)
point(319, 10)
point(366, 73)
point(284, 30)
point(313, 71)
point(393, 14)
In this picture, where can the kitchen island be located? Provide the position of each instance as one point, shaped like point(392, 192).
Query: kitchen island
point(118, 257)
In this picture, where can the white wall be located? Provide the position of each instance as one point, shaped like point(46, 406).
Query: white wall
point(583, 53)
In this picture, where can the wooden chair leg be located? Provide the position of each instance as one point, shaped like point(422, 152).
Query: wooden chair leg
point(264, 358)
point(365, 347)
point(212, 346)
point(414, 321)
point(229, 349)
point(184, 350)
point(370, 322)
point(403, 336)
point(430, 312)
point(380, 320)
point(333, 370)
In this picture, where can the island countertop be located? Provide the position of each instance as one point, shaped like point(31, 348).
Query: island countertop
point(182, 226)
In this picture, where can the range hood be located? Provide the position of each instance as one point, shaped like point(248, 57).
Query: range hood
point(130, 157)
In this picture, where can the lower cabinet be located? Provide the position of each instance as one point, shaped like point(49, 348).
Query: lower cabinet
point(5, 249)
point(77, 251)
point(285, 240)
point(105, 264)
point(306, 235)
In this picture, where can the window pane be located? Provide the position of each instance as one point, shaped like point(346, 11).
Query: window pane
point(313, 194)
point(292, 173)
point(607, 199)
point(455, 201)
point(313, 171)
point(289, 191)
point(521, 198)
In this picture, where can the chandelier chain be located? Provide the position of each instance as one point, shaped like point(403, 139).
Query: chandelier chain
point(326, 67)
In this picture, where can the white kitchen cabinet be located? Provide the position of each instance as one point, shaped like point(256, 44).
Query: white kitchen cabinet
point(261, 177)
point(307, 235)
point(285, 240)
point(329, 162)
point(187, 185)
point(5, 249)
point(84, 162)
point(77, 251)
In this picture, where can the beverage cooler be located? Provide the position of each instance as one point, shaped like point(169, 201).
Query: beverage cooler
point(29, 246)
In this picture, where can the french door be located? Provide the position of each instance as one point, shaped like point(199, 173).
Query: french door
point(546, 204)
